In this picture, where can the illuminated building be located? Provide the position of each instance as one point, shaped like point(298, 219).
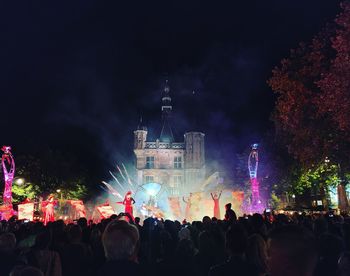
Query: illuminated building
point(179, 166)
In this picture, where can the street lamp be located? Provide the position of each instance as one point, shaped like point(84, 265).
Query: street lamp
point(19, 181)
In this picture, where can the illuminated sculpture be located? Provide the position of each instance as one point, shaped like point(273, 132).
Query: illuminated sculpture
point(9, 172)
point(253, 162)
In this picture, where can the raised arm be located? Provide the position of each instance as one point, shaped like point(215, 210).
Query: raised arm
point(220, 194)
point(212, 196)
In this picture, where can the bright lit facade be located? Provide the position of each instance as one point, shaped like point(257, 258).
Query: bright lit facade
point(179, 166)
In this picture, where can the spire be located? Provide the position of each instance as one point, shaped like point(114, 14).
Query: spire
point(166, 101)
point(166, 134)
point(140, 123)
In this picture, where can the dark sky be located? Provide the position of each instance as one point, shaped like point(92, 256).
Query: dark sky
point(76, 75)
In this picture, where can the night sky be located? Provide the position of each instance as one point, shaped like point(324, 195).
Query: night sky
point(77, 75)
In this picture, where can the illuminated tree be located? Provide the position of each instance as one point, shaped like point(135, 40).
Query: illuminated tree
point(311, 114)
point(335, 97)
point(26, 190)
point(53, 171)
point(335, 84)
point(322, 176)
point(297, 122)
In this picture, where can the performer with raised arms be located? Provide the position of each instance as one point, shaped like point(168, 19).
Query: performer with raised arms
point(188, 207)
point(216, 198)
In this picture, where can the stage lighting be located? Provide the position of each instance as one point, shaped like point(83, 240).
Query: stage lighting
point(152, 188)
point(19, 181)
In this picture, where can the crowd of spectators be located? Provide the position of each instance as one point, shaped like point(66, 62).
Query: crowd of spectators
point(267, 244)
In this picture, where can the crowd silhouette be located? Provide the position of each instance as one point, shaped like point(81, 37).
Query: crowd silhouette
point(259, 244)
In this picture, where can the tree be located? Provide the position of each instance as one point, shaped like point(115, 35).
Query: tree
point(50, 171)
point(335, 84)
point(297, 123)
point(335, 96)
point(311, 113)
point(26, 190)
point(323, 176)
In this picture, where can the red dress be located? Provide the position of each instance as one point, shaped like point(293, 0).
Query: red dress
point(49, 211)
point(216, 208)
point(216, 205)
point(128, 203)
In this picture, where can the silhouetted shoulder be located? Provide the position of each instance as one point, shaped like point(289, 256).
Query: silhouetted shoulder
point(234, 267)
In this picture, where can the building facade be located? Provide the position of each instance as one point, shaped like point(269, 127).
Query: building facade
point(179, 166)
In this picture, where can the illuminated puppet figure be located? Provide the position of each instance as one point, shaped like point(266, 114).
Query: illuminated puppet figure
point(49, 209)
point(7, 160)
point(253, 162)
point(216, 198)
point(128, 202)
point(144, 211)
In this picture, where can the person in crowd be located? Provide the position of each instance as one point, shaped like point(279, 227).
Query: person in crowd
point(282, 244)
point(184, 254)
point(8, 256)
point(344, 264)
point(121, 244)
point(26, 271)
point(41, 257)
point(236, 244)
point(207, 255)
point(230, 215)
point(76, 256)
point(256, 253)
point(331, 248)
point(292, 250)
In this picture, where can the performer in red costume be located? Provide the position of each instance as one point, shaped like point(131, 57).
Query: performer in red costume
point(128, 202)
point(216, 198)
point(49, 209)
point(188, 202)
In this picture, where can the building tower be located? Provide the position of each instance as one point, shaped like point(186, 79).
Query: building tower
point(140, 136)
point(194, 160)
point(166, 134)
point(177, 165)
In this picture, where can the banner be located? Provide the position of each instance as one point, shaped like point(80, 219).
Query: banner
point(79, 208)
point(25, 211)
point(105, 211)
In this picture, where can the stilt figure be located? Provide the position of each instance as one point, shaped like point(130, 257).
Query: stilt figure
point(188, 207)
point(216, 198)
point(9, 173)
point(128, 202)
point(253, 163)
point(49, 209)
